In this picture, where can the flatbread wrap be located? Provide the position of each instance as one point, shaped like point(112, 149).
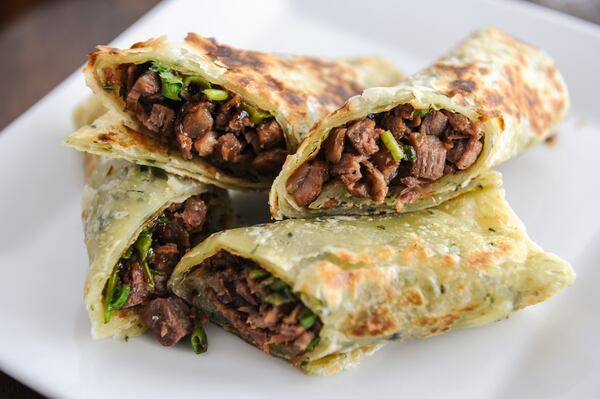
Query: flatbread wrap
point(138, 222)
point(321, 292)
point(419, 143)
point(215, 113)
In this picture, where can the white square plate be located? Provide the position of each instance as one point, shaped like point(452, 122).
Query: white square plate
point(547, 351)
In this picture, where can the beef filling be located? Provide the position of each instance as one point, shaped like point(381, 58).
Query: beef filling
point(201, 120)
point(140, 279)
point(263, 310)
point(403, 147)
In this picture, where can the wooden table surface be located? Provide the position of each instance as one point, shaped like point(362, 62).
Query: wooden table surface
point(41, 42)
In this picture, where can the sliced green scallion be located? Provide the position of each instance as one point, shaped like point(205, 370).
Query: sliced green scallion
point(120, 296)
point(256, 115)
point(421, 112)
point(277, 299)
point(216, 94)
point(148, 274)
point(287, 291)
point(171, 90)
point(410, 153)
point(115, 296)
point(311, 345)
point(255, 274)
point(143, 245)
point(127, 254)
point(392, 145)
point(277, 285)
point(268, 281)
point(171, 84)
point(307, 319)
point(193, 85)
point(198, 339)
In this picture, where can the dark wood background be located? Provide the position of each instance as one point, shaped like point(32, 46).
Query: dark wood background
point(42, 41)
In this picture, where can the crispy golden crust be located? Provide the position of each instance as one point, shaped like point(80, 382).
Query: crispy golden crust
point(330, 83)
point(528, 88)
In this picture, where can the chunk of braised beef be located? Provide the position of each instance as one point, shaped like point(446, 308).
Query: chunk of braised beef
point(165, 257)
point(302, 342)
point(392, 121)
point(449, 169)
point(225, 111)
point(242, 289)
point(216, 281)
point(269, 134)
point(386, 164)
point(130, 73)
point(287, 334)
point(457, 121)
point(194, 214)
point(334, 145)
point(431, 156)
point(196, 119)
point(464, 153)
point(229, 147)
point(306, 183)
point(363, 135)
point(349, 172)
point(139, 287)
point(146, 85)
point(270, 161)
point(170, 319)
point(266, 319)
point(348, 169)
point(404, 110)
point(378, 187)
point(239, 121)
point(206, 144)
point(252, 138)
point(434, 123)
point(173, 231)
point(159, 120)
point(458, 148)
point(236, 319)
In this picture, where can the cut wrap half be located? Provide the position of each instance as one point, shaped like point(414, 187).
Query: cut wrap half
point(419, 143)
point(138, 223)
point(320, 293)
point(215, 113)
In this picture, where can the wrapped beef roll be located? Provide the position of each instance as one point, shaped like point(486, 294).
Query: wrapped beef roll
point(421, 142)
point(218, 114)
point(321, 293)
